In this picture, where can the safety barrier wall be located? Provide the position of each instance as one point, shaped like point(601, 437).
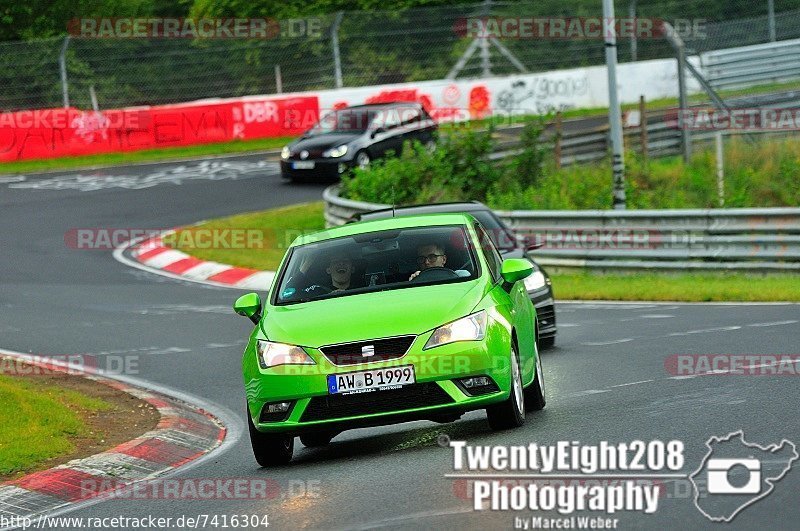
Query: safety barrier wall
point(52, 133)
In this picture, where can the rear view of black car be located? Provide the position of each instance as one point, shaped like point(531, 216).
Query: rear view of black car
point(510, 245)
point(355, 136)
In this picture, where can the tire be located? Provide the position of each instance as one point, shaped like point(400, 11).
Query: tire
point(547, 342)
point(362, 160)
point(511, 412)
point(270, 449)
point(316, 440)
point(535, 398)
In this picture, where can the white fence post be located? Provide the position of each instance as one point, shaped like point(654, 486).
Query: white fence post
point(62, 64)
point(337, 58)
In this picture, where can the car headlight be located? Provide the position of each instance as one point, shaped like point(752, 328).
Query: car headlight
point(469, 328)
point(285, 152)
point(273, 354)
point(336, 152)
point(535, 281)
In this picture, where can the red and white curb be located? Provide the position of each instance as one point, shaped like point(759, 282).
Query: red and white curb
point(184, 434)
point(150, 254)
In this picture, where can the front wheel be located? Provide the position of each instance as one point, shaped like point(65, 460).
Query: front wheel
point(362, 160)
point(270, 449)
point(547, 342)
point(511, 412)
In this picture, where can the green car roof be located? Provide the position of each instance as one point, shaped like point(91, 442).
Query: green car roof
point(400, 222)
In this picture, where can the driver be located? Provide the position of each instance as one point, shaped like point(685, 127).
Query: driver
point(429, 255)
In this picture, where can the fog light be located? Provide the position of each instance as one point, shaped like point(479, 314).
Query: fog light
point(480, 381)
point(342, 167)
point(275, 412)
point(477, 385)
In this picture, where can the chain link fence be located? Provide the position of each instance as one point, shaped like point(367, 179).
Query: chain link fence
point(350, 49)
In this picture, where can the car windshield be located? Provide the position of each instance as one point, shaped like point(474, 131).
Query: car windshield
point(377, 261)
point(345, 121)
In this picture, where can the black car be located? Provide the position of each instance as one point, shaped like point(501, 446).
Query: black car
point(509, 244)
point(355, 136)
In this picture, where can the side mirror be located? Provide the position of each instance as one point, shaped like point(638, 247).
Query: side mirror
point(514, 269)
point(377, 131)
point(529, 242)
point(249, 306)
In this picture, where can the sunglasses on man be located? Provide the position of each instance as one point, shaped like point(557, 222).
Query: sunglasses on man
point(425, 258)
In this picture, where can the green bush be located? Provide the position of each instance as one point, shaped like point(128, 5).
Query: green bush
point(764, 173)
point(457, 170)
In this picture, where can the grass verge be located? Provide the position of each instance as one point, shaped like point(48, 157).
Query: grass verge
point(274, 230)
point(686, 287)
point(48, 418)
point(281, 225)
point(37, 424)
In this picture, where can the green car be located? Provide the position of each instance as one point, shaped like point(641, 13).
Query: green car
point(388, 321)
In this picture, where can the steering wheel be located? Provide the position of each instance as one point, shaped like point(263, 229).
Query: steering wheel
point(435, 273)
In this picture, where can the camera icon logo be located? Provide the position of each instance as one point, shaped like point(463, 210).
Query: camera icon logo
point(735, 474)
point(720, 471)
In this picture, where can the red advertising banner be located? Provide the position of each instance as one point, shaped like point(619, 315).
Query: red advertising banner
point(49, 133)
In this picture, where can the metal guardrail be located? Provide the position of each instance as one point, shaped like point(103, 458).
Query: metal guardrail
point(754, 239)
point(753, 65)
point(590, 145)
point(664, 138)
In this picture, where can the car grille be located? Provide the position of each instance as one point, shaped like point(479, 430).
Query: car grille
point(389, 348)
point(546, 316)
point(342, 406)
point(312, 154)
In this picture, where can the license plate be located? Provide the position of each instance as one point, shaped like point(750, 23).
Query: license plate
point(375, 379)
point(303, 165)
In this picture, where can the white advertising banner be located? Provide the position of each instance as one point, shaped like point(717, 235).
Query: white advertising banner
point(538, 93)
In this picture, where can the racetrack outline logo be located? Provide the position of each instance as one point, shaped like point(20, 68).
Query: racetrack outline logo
point(717, 474)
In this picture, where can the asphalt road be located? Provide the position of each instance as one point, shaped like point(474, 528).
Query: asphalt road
point(606, 380)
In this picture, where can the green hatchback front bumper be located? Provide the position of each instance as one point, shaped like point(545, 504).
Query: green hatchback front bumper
point(439, 394)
